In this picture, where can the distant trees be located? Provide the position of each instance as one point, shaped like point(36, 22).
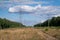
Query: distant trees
point(4, 23)
point(55, 21)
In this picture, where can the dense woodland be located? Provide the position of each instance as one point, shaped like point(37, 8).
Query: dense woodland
point(4, 23)
point(54, 21)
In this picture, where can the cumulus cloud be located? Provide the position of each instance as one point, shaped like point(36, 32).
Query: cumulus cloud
point(49, 10)
point(23, 8)
point(41, 12)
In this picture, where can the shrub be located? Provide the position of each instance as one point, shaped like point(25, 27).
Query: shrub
point(46, 29)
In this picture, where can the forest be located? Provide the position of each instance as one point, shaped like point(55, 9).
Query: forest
point(54, 21)
point(4, 23)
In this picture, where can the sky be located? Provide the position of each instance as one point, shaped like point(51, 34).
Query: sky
point(29, 12)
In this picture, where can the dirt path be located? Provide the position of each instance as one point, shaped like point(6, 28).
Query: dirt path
point(45, 36)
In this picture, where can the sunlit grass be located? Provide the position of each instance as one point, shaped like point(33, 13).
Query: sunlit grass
point(19, 34)
point(27, 33)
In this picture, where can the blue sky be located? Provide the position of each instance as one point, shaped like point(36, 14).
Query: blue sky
point(29, 12)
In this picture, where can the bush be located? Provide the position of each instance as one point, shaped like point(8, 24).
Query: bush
point(46, 29)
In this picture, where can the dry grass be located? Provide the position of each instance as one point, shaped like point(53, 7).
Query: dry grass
point(19, 34)
point(53, 32)
point(27, 33)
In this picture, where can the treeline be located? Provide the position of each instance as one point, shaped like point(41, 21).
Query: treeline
point(4, 23)
point(55, 21)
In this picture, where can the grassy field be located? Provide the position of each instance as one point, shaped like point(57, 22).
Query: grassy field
point(55, 32)
point(27, 33)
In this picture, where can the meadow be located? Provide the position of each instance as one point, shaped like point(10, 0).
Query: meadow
point(29, 33)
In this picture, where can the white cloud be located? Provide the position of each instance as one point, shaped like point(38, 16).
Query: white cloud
point(49, 10)
point(22, 2)
point(57, 15)
point(26, 1)
point(10, 3)
point(23, 8)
